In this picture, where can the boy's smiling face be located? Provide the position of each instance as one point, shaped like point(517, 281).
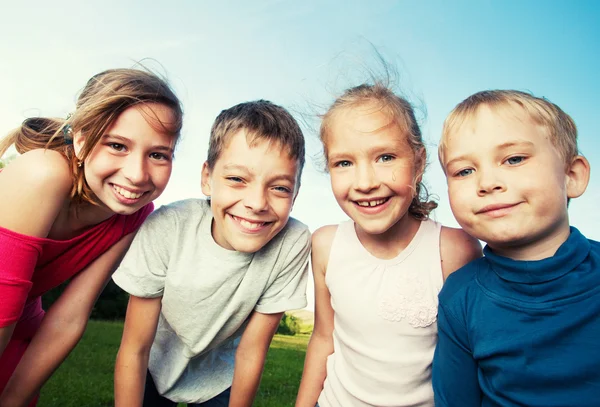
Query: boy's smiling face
point(508, 184)
point(252, 189)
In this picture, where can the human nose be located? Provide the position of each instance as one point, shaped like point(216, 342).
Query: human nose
point(255, 199)
point(365, 178)
point(490, 181)
point(136, 170)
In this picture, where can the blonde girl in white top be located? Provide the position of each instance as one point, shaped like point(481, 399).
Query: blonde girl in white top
point(377, 276)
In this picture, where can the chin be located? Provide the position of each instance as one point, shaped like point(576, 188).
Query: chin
point(248, 248)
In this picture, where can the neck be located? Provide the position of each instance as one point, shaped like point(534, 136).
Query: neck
point(536, 249)
point(74, 219)
point(390, 243)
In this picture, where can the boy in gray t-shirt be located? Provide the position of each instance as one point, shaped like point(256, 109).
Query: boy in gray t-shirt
point(210, 279)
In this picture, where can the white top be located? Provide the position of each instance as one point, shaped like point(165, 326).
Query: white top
point(208, 293)
point(385, 328)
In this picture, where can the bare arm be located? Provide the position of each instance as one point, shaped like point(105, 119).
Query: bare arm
point(457, 248)
point(62, 327)
point(48, 180)
point(5, 335)
point(132, 360)
point(250, 357)
point(320, 345)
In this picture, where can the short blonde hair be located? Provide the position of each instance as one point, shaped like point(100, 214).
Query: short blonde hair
point(560, 126)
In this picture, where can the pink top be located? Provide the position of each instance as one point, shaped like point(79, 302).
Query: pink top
point(30, 266)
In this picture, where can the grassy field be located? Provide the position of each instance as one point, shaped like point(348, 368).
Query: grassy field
point(86, 377)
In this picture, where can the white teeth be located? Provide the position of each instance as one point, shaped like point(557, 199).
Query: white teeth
point(370, 203)
point(127, 194)
point(250, 225)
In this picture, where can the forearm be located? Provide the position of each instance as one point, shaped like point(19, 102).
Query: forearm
point(51, 344)
point(315, 371)
point(5, 335)
point(130, 377)
point(246, 377)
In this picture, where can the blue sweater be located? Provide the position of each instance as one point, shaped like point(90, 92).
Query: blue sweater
point(521, 333)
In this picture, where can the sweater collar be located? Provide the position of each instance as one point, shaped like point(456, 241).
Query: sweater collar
point(568, 256)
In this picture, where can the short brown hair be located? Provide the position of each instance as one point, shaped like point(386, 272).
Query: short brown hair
point(262, 120)
point(105, 96)
point(403, 114)
point(560, 126)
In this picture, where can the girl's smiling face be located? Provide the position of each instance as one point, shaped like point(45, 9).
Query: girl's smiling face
point(372, 167)
point(131, 163)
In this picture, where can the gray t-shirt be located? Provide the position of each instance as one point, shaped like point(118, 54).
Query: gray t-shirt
point(208, 293)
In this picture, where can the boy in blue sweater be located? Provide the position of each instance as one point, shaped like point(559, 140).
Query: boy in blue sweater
point(520, 326)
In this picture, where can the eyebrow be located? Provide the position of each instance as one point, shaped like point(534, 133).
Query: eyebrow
point(159, 147)
point(503, 146)
point(242, 168)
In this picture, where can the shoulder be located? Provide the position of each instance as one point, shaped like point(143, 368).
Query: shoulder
point(460, 284)
point(32, 210)
point(184, 213)
point(457, 248)
point(323, 237)
point(294, 233)
point(46, 170)
point(322, 241)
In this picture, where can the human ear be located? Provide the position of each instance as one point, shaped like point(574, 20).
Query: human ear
point(420, 161)
point(578, 176)
point(78, 142)
point(205, 182)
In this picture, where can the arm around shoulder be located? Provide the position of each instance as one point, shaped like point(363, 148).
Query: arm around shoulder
point(457, 248)
point(320, 345)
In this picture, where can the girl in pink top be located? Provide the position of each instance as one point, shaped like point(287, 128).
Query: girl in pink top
point(377, 275)
point(71, 203)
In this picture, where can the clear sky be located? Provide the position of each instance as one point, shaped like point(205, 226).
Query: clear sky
point(301, 54)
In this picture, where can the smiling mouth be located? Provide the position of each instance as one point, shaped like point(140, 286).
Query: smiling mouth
point(372, 203)
point(126, 193)
point(248, 224)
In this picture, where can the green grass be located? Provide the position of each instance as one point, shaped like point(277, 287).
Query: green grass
point(86, 377)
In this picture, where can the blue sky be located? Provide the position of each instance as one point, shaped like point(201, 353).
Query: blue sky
point(300, 55)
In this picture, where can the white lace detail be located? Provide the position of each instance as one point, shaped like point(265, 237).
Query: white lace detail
point(407, 298)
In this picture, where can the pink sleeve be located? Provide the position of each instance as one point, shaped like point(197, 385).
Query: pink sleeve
point(18, 257)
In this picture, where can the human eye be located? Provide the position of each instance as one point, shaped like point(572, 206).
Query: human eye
point(117, 147)
point(464, 172)
point(234, 179)
point(160, 157)
point(385, 158)
point(518, 159)
point(282, 189)
point(342, 164)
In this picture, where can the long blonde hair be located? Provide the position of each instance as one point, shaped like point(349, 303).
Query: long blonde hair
point(105, 96)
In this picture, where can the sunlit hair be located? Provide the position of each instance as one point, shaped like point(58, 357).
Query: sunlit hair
point(402, 112)
point(559, 125)
point(105, 96)
point(262, 121)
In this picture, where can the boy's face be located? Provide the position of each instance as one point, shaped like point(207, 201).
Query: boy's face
point(252, 190)
point(507, 183)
